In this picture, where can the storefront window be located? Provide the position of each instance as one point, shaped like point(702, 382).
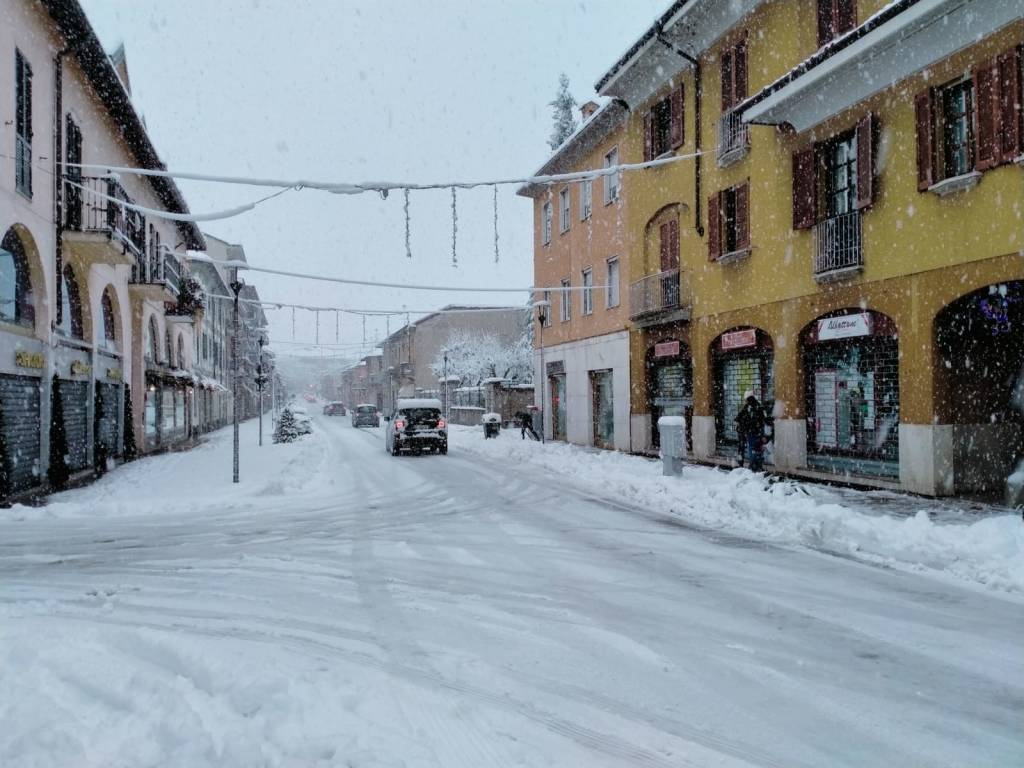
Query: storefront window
point(152, 397)
point(743, 362)
point(603, 411)
point(179, 409)
point(557, 387)
point(167, 409)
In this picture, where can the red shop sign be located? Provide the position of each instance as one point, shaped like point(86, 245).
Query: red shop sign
point(739, 339)
point(666, 349)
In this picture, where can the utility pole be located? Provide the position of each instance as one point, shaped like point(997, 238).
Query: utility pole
point(236, 287)
point(542, 317)
point(447, 410)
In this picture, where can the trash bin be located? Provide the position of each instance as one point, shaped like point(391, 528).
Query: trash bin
point(492, 424)
point(672, 431)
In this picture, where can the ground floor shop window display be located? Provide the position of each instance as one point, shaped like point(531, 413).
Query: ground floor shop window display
point(556, 386)
point(603, 412)
point(851, 368)
point(670, 386)
point(743, 364)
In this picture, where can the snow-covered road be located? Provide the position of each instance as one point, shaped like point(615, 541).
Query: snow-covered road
point(364, 610)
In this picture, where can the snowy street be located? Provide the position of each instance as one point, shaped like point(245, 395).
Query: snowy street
point(348, 608)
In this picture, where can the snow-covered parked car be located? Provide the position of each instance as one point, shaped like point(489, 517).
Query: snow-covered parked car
point(334, 409)
point(303, 421)
point(416, 425)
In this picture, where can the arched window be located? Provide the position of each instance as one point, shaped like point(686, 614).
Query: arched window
point(153, 342)
point(108, 337)
point(71, 307)
point(170, 349)
point(181, 351)
point(15, 287)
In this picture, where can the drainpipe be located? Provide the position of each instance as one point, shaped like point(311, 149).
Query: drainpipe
point(697, 94)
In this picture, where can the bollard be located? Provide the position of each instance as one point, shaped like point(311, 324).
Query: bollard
point(672, 433)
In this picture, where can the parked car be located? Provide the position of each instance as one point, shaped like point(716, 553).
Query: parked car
point(303, 421)
point(365, 415)
point(416, 425)
point(334, 409)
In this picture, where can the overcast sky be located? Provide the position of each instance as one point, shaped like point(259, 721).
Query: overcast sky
point(358, 91)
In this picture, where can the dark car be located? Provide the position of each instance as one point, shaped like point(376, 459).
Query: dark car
point(365, 415)
point(417, 426)
point(334, 409)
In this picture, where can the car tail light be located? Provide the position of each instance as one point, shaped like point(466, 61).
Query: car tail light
point(399, 425)
point(440, 424)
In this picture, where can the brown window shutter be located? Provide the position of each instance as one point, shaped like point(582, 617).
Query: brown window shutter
point(677, 132)
point(865, 161)
point(648, 136)
point(986, 116)
point(727, 70)
point(664, 246)
point(846, 16)
point(739, 70)
point(714, 227)
point(743, 216)
point(925, 126)
point(1009, 106)
point(825, 26)
point(805, 189)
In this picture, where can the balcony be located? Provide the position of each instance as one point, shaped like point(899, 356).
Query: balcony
point(837, 247)
point(98, 230)
point(156, 276)
point(658, 299)
point(733, 138)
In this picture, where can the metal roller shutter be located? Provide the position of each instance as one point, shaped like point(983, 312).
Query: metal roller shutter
point(75, 399)
point(19, 401)
point(107, 424)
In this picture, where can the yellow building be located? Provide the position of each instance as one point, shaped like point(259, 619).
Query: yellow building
point(848, 239)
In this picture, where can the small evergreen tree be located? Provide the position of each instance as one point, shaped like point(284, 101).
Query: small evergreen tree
point(562, 113)
point(58, 472)
point(287, 430)
point(129, 450)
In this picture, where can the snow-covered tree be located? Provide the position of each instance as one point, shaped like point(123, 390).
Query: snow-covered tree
point(563, 113)
point(474, 357)
point(287, 429)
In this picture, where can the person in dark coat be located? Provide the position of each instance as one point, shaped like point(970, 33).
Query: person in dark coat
point(525, 421)
point(750, 423)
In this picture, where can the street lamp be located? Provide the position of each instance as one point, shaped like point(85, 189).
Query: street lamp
point(236, 286)
point(542, 318)
point(447, 410)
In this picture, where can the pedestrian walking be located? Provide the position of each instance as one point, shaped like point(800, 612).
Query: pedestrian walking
point(525, 421)
point(750, 424)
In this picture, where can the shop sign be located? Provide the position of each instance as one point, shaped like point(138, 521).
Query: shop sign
point(845, 327)
point(114, 374)
point(80, 368)
point(25, 359)
point(739, 339)
point(666, 349)
point(556, 368)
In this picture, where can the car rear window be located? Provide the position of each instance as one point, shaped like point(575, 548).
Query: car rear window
point(418, 415)
point(366, 409)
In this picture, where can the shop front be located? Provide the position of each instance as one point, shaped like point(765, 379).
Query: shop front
point(851, 380)
point(602, 408)
point(109, 405)
point(556, 398)
point(669, 385)
point(743, 361)
point(21, 419)
point(166, 409)
point(73, 371)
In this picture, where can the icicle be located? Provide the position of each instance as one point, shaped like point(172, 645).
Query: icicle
point(408, 248)
point(455, 230)
point(495, 188)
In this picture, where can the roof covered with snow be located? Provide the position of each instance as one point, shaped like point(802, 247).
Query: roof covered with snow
point(417, 402)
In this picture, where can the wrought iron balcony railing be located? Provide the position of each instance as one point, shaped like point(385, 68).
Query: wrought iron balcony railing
point(837, 250)
point(656, 294)
point(733, 137)
point(92, 204)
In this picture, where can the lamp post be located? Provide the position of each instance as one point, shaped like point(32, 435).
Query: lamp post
point(236, 287)
point(542, 318)
point(447, 410)
point(261, 381)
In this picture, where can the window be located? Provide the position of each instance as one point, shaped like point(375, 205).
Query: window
point(611, 296)
point(734, 75)
point(153, 342)
point(16, 305)
point(663, 125)
point(586, 198)
point(611, 181)
point(566, 301)
point(835, 18)
point(109, 337)
point(545, 224)
point(729, 222)
point(588, 291)
point(73, 173)
point(22, 125)
point(564, 210)
point(547, 309)
point(70, 323)
point(840, 175)
point(956, 138)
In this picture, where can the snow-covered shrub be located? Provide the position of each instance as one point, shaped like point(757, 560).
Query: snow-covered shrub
point(287, 427)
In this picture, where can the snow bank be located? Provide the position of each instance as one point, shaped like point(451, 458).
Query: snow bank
point(988, 551)
point(194, 481)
